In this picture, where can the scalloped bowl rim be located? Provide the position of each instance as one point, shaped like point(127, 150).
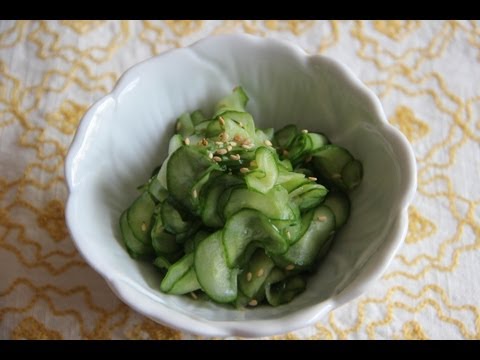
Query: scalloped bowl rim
point(370, 272)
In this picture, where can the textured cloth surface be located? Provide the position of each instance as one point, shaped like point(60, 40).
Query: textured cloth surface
point(426, 75)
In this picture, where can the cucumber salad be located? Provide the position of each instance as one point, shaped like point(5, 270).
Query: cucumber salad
point(238, 214)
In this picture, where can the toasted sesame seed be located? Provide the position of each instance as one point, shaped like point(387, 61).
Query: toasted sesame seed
point(247, 142)
point(194, 296)
point(336, 176)
point(178, 126)
point(253, 163)
point(313, 178)
point(247, 146)
point(204, 142)
point(194, 193)
point(288, 234)
point(238, 138)
point(322, 218)
point(187, 141)
point(268, 142)
point(253, 302)
point(305, 131)
point(217, 158)
point(219, 143)
point(229, 148)
point(144, 227)
point(244, 170)
point(221, 120)
point(221, 151)
point(290, 267)
point(285, 152)
point(233, 143)
point(210, 155)
point(249, 276)
point(235, 156)
point(260, 272)
point(223, 136)
point(242, 126)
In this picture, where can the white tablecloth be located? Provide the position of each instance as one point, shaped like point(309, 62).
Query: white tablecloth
point(427, 75)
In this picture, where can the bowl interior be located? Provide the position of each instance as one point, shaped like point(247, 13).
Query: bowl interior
point(128, 134)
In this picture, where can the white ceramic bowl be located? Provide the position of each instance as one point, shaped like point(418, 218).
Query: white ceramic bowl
point(125, 134)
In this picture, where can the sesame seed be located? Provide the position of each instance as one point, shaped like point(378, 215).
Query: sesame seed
point(219, 143)
point(194, 296)
point(290, 267)
point(204, 142)
point(179, 126)
point(244, 170)
point(210, 155)
point(235, 156)
point(322, 218)
point(268, 142)
point(144, 227)
point(229, 148)
point(233, 143)
point(221, 120)
point(249, 276)
point(238, 138)
point(285, 153)
point(260, 273)
point(221, 151)
point(313, 178)
point(217, 158)
point(247, 142)
point(194, 193)
point(223, 137)
point(253, 302)
point(247, 146)
point(288, 234)
point(187, 141)
point(305, 131)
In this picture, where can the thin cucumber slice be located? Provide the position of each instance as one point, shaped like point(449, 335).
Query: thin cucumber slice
point(284, 137)
point(213, 273)
point(176, 272)
point(184, 125)
point(352, 174)
point(291, 180)
point(139, 216)
point(198, 117)
point(245, 227)
point(162, 242)
point(236, 101)
point(330, 160)
point(273, 204)
point(252, 278)
point(308, 196)
point(136, 248)
point(162, 263)
point(303, 253)
point(186, 284)
point(172, 219)
point(284, 291)
point(340, 205)
point(264, 179)
point(185, 167)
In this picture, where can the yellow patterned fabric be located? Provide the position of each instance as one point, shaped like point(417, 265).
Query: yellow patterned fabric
point(427, 75)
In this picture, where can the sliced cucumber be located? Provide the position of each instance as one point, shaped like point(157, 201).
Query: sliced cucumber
point(139, 216)
point(135, 247)
point(198, 117)
point(176, 272)
point(184, 125)
point(330, 160)
point(265, 177)
point(163, 242)
point(236, 101)
point(284, 291)
point(303, 253)
point(214, 275)
point(340, 205)
point(352, 174)
point(186, 284)
point(252, 278)
point(284, 137)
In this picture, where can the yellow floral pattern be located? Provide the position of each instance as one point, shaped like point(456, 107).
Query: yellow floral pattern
point(425, 73)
